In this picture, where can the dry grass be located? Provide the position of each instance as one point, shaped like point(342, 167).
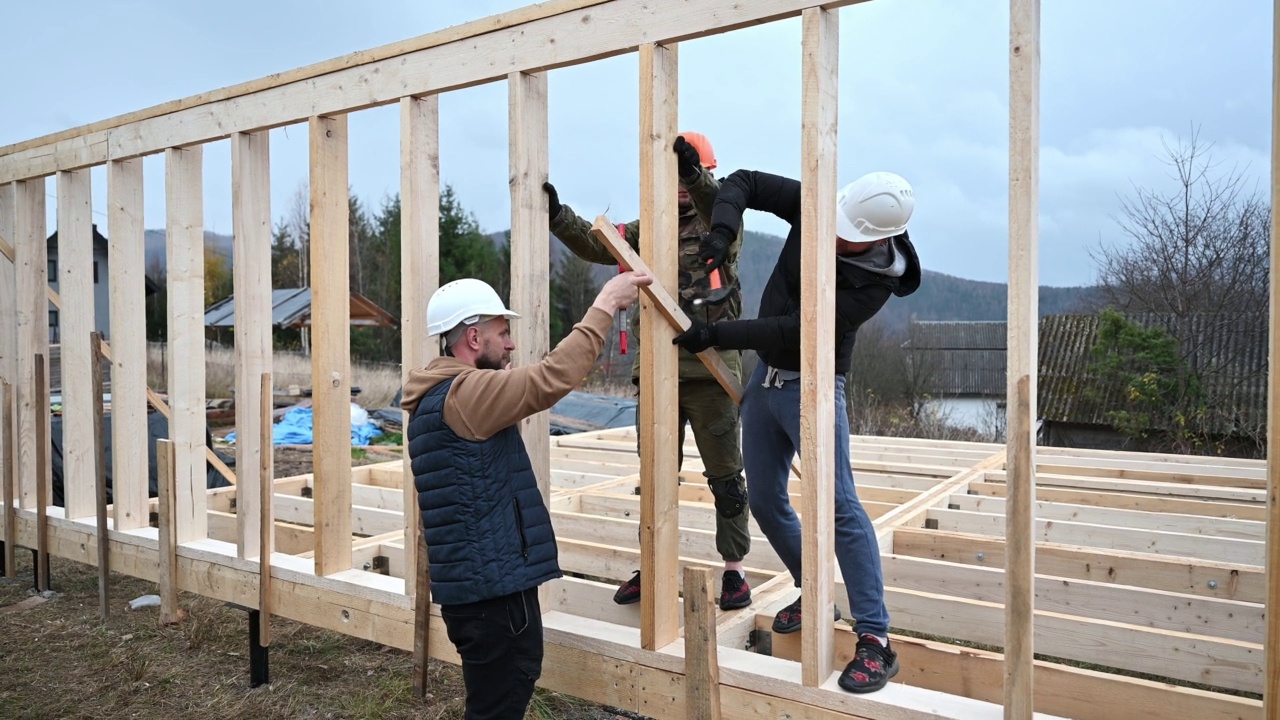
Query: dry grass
point(61, 661)
point(378, 383)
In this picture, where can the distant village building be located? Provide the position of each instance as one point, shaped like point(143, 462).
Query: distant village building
point(960, 366)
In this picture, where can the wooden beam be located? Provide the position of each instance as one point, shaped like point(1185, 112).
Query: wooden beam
point(1164, 506)
point(910, 512)
point(455, 33)
point(701, 668)
point(100, 481)
point(818, 147)
point(266, 518)
point(32, 269)
point(251, 271)
point(8, 288)
point(7, 464)
point(77, 321)
point(331, 348)
point(419, 277)
point(659, 395)
point(44, 489)
point(1024, 279)
point(129, 472)
point(606, 233)
point(1271, 693)
point(1177, 575)
point(168, 532)
point(1060, 689)
point(530, 252)
point(184, 206)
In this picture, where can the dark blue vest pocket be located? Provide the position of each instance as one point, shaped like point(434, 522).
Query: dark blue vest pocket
point(524, 542)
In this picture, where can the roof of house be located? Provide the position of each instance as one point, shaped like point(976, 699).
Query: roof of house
point(291, 307)
point(99, 242)
point(1229, 355)
point(959, 357)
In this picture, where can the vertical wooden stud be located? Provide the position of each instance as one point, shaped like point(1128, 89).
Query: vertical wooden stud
point(1271, 648)
point(331, 343)
point(125, 230)
point(7, 430)
point(659, 387)
point(1024, 203)
point(266, 521)
point(75, 285)
point(167, 572)
point(251, 271)
point(817, 335)
point(44, 490)
point(100, 480)
point(701, 664)
point(184, 206)
point(32, 271)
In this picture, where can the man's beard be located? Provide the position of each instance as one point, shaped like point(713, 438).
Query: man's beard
point(489, 362)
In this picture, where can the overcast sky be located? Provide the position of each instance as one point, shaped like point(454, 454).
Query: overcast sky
point(924, 91)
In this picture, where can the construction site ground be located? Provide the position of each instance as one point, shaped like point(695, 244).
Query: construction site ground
point(61, 661)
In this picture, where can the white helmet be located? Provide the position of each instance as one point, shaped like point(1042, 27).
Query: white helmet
point(873, 207)
point(465, 301)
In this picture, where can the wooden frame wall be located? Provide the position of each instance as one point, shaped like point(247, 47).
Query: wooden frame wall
point(313, 584)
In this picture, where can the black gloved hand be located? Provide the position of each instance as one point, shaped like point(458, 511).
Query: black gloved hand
point(715, 247)
point(687, 159)
point(698, 337)
point(553, 201)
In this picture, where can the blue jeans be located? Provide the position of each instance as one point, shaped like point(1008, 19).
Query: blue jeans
point(770, 439)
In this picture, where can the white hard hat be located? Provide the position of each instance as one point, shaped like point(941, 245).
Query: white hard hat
point(464, 301)
point(873, 207)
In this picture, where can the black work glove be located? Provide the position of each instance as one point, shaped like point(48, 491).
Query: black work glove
point(715, 247)
point(553, 201)
point(687, 158)
point(698, 337)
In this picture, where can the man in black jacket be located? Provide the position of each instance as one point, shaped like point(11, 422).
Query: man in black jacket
point(876, 261)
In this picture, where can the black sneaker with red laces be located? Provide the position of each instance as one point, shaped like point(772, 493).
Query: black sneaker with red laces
point(788, 618)
point(629, 591)
point(735, 593)
point(871, 667)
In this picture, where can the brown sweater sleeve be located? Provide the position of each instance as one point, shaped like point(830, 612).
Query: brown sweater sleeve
point(482, 402)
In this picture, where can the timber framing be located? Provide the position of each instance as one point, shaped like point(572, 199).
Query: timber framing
point(1132, 565)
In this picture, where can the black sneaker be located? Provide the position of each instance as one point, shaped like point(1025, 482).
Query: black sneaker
point(629, 591)
point(871, 667)
point(735, 593)
point(788, 618)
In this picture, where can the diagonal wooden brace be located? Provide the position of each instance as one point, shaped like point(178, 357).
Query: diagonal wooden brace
point(605, 232)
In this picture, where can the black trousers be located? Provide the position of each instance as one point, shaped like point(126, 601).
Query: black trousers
point(500, 641)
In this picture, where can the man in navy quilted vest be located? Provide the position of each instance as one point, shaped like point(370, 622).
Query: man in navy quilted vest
point(489, 536)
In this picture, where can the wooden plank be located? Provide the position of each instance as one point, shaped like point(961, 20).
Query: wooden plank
point(100, 481)
point(1271, 693)
point(910, 512)
point(1111, 538)
point(1131, 501)
point(419, 276)
point(168, 532)
point(701, 667)
point(606, 233)
point(129, 472)
point(1024, 273)
point(77, 321)
point(32, 270)
point(659, 533)
point(1116, 517)
point(7, 464)
point(1060, 689)
point(331, 348)
point(43, 474)
point(1231, 664)
point(1177, 575)
point(530, 250)
point(454, 33)
point(818, 147)
point(266, 519)
point(251, 274)
point(1114, 602)
point(184, 207)
point(8, 288)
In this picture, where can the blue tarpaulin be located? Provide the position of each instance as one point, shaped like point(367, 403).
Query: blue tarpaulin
point(295, 429)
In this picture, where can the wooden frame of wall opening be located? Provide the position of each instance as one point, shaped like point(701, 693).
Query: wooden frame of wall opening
point(1035, 524)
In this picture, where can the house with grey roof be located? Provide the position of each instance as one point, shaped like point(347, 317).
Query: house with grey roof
point(960, 366)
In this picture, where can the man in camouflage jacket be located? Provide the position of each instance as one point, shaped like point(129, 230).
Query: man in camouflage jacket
point(710, 411)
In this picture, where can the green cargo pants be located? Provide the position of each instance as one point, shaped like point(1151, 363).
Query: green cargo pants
point(713, 415)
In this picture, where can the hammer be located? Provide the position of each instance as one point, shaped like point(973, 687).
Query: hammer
point(717, 295)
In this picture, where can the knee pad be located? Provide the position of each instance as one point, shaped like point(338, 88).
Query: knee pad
point(730, 495)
